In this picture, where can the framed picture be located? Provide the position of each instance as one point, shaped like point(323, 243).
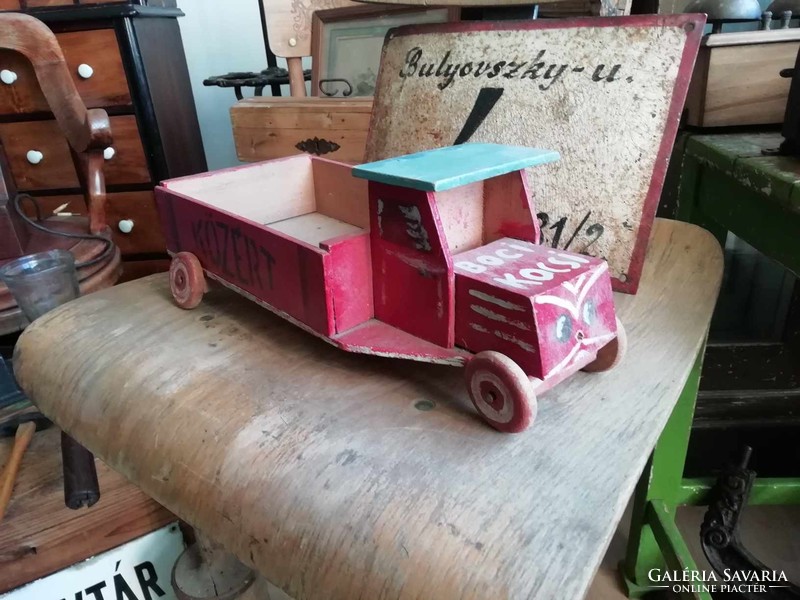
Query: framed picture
point(346, 44)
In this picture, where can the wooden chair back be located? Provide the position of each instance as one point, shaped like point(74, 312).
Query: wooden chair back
point(88, 131)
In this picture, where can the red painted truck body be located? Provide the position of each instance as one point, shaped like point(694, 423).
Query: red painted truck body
point(394, 271)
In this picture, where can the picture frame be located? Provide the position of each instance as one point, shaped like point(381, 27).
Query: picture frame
point(346, 44)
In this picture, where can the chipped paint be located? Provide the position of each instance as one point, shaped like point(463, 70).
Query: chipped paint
point(380, 216)
point(489, 314)
point(510, 338)
point(414, 227)
point(495, 300)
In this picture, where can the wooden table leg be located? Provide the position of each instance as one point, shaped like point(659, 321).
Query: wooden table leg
point(206, 571)
point(297, 82)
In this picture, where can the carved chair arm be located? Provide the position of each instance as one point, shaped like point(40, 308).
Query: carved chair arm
point(87, 131)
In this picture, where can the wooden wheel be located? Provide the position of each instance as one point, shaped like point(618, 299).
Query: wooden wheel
point(610, 355)
point(186, 280)
point(501, 391)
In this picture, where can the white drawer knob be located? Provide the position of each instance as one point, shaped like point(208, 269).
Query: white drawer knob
point(34, 157)
point(109, 153)
point(85, 71)
point(8, 77)
point(125, 226)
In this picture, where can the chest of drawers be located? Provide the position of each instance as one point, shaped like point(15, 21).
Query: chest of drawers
point(127, 57)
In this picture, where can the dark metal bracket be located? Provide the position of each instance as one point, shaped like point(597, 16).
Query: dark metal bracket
point(719, 534)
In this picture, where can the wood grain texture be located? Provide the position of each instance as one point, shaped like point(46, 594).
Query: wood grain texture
point(740, 84)
point(56, 170)
point(265, 128)
point(173, 136)
point(99, 49)
point(42, 3)
point(140, 207)
point(737, 38)
point(340, 195)
point(84, 129)
point(315, 467)
point(40, 535)
point(8, 478)
point(128, 164)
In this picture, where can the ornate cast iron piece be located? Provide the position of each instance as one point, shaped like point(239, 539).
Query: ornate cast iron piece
point(719, 534)
point(317, 146)
point(238, 80)
point(326, 89)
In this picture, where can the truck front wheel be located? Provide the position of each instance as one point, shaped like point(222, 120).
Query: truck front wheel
point(186, 280)
point(501, 392)
point(610, 355)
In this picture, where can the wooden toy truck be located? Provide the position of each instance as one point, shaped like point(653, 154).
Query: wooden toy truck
point(429, 257)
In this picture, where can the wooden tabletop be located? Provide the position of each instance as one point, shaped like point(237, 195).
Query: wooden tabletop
point(325, 471)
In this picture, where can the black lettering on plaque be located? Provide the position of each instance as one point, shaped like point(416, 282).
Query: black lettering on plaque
point(426, 70)
point(148, 580)
point(443, 64)
point(122, 589)
point(412, 58)
point(598, 73)
point(481, 68)
point(484, 103)
point(553, 73)
point(532, 72)
point(513, 67)
point(450, 72)
point(96, 590)
point(498, 66)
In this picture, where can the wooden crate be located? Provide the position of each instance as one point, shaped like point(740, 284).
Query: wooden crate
point(336, 128)
point(737, 80)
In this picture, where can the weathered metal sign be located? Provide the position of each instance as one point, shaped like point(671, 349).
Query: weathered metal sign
point(139, 570)
point(606, 93)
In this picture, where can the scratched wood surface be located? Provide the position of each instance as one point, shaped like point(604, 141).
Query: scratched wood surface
point(40, 535)
point(739, 83)
point(605, 93)
point(325, 471)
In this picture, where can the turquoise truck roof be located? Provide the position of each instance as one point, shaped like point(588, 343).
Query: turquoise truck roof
point(453, 166)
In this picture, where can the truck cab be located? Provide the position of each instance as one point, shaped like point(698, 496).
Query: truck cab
point(455, 260)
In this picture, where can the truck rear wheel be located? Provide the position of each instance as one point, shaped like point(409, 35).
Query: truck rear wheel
point(186, 280)
point(501, 392)
point(610, 355)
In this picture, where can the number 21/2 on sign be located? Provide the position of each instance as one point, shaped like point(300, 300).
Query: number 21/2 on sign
point(592, 232)
point(486, 100)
